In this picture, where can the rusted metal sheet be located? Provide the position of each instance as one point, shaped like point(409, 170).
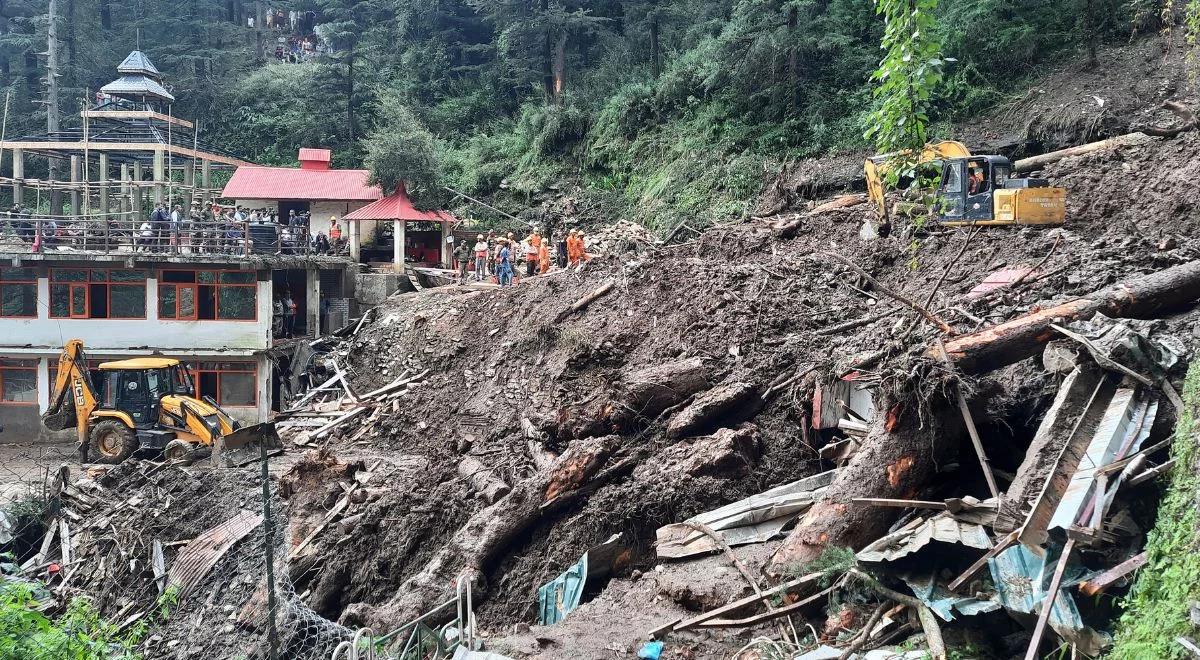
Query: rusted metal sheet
point(202, 554)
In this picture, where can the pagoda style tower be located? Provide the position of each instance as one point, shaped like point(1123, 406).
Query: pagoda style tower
point(140, 83)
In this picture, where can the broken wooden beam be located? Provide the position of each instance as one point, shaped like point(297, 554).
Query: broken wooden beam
point(1001, 545)
point(902, 504)
point(783, 587)
point(1022, 337)
point(1048, 602)
point(583, 302)
point(1106, 579)
point(969, 421)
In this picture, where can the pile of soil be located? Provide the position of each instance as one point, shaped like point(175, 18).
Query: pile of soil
point(755, 309)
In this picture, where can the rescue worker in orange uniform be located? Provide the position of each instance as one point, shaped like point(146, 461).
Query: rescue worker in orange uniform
point(583, 255)
point(544, 257)
point(573, 249)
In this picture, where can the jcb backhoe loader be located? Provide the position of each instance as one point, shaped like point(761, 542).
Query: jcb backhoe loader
point(977, 190)
point(145, 404)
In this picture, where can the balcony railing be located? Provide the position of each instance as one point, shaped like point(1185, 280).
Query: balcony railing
point(41, 235)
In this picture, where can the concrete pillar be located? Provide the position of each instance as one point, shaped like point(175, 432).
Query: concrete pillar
point(312, 292)
point(135, 192)
point(355, 239)
point(398, 244)
point(102, 177)
point(189, 180)
point(206, 181)
point(76, 177)
point(160, 176)
point(44, 384)
point(18, 174)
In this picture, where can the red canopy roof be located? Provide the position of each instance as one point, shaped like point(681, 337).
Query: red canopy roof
point(397, 206)
point(287, 183)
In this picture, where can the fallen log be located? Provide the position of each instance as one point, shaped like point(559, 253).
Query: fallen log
point(583, 302)
point(889, 465)
point(482, 479)
point(1038, 162)
point(1015, 340)
point(728, 400)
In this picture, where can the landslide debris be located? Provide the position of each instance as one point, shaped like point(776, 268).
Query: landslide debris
point(727, 333)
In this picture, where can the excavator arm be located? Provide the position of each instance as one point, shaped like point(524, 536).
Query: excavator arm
point(73, 398)
point(877, 167)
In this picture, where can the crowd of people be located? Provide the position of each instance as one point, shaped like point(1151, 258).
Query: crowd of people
point(203, 228)
point(500, 257)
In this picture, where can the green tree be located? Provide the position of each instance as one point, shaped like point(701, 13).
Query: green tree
point(403, 153)
point(907, 75)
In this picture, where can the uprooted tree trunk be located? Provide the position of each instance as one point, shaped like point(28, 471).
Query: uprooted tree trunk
point(1024, 336)
point(640, 396)
point(894, 464)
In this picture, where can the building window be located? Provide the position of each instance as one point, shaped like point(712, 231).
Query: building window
point(18, 382)
point(18, 293)
point(231, 384)
point(93, 293)
point(207, 295)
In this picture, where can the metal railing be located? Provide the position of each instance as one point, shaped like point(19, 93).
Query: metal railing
point(42, 234)
point(421, 640)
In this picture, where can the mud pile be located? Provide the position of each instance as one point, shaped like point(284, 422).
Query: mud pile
point(687, 383)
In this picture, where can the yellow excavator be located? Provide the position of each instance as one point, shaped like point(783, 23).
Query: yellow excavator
point(976, 190)
point(146, 404)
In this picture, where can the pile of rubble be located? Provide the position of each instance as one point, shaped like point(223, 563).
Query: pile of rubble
point(629, 419)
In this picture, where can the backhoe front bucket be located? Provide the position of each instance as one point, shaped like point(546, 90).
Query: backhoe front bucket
point(244, 446)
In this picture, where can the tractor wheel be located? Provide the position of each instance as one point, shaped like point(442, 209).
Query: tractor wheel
point(179, 452)
point(112, 441)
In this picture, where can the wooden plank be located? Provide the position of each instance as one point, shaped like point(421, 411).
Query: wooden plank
point(735, 605)
point(901, 504)
point(1106, 579)
point(125, 146)
point(1048, 601)
point(766, 616)
point(135, 114)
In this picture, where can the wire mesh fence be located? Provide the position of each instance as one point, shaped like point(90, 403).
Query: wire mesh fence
point(152, 560)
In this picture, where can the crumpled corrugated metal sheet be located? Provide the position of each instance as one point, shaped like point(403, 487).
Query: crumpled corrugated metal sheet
point(1021, 578)
point(944, 602)
point(942, 527)
point(756, 519)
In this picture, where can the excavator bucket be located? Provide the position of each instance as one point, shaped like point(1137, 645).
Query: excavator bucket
point(246, 445)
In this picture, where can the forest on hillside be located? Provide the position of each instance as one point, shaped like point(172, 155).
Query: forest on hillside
point(657, 108)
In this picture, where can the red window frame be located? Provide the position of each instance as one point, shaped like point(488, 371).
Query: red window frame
point(251, 368)
point(5, 368)
point(21, 282)
point(217, 285)
point(87, 293)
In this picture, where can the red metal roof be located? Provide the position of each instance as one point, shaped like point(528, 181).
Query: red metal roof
point(287, 183)
point(397, 206)
point(323, 155)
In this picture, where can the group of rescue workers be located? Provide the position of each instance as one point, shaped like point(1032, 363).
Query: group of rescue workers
point(499, 256)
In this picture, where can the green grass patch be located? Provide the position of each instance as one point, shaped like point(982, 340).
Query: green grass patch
point(1156, 610)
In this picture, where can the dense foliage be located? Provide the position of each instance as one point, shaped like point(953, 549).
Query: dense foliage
point(660, 108)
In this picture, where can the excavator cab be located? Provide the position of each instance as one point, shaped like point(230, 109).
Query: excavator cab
point(976, 190)
point(146, 404)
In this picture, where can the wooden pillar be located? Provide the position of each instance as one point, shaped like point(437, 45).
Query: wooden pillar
point(206, 181)
point(189, 182)
point(160, 175)
point(18, 175)
point(398, 244)
point(102, 177)
point(355, 239)
point(76, 176)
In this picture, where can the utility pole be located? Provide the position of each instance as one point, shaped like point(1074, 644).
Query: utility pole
point(52, 98)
